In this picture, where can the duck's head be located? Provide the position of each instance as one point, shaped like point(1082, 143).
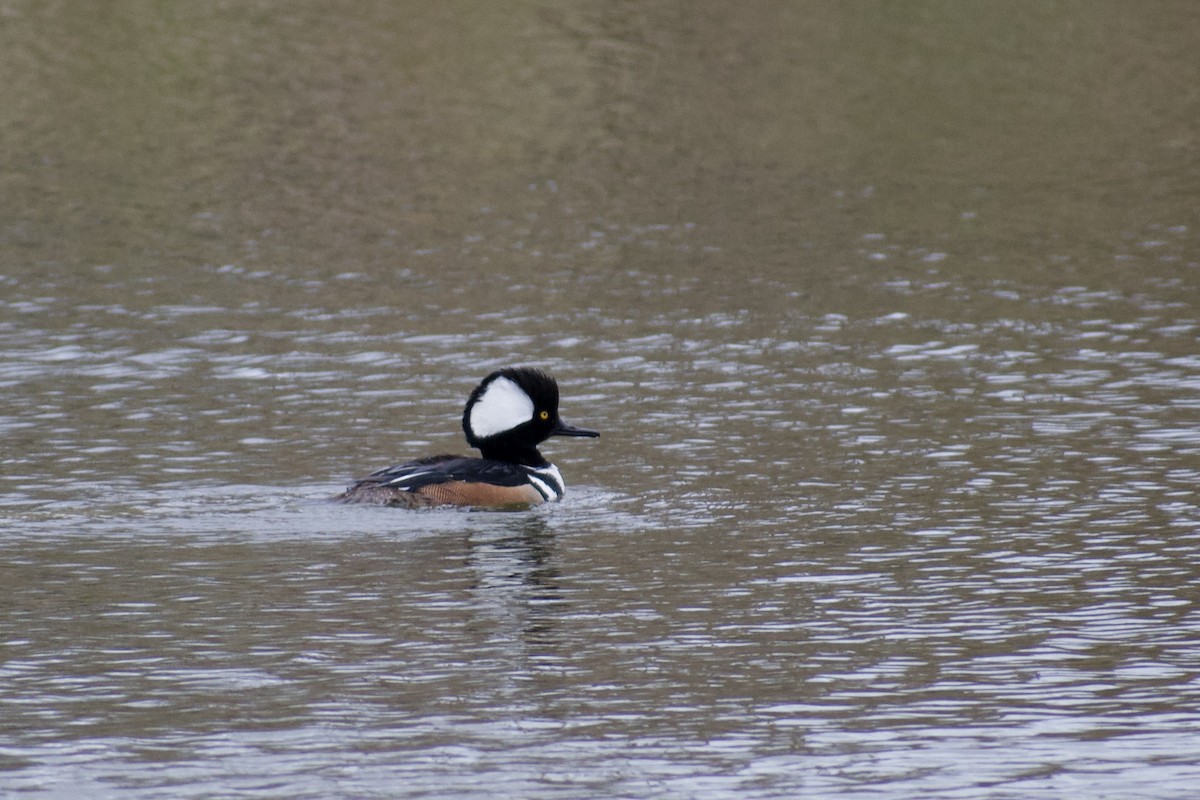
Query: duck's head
point(513, 411)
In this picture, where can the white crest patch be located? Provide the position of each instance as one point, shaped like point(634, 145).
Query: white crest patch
point(502, 406)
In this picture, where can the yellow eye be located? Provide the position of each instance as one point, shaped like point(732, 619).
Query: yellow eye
point(543, 415)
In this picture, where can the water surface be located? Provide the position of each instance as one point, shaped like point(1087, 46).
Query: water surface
point(888, 316)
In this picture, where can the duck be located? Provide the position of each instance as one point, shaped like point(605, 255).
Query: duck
point(510, 413)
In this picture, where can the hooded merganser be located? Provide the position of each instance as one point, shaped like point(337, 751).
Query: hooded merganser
point(507, 416)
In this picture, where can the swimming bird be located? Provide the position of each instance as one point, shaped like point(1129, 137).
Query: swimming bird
point(507, 416)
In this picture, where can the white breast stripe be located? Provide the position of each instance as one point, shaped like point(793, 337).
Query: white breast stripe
point(502, 406)
point(548, 481)
point(545, 491)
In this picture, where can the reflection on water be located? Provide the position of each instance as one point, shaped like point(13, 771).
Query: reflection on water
point(889, 319)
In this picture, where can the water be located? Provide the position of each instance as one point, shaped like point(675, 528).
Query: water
point(888, 317)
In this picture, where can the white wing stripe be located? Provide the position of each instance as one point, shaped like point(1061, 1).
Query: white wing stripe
point(403, 479)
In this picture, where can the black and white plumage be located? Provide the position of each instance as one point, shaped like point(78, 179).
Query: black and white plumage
point(507, 416)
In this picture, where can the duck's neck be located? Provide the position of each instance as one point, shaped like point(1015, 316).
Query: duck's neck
point(514, 454)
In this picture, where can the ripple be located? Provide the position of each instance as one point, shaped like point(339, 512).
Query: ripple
point(807, 542)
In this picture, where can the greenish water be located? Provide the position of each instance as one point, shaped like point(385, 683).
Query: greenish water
point(888, 314)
